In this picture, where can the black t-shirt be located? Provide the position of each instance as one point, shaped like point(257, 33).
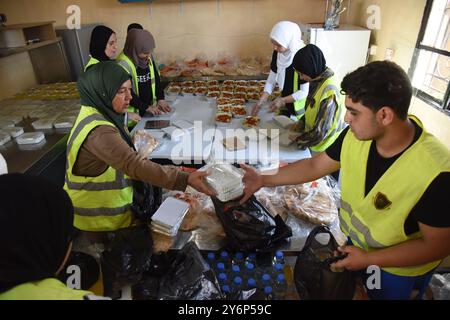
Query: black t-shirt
point(143, 101)
point(288, 87)
point(428, 209)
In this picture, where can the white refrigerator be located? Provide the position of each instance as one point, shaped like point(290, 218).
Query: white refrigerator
point(345, 48)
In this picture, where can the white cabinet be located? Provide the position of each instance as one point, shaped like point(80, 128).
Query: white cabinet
point(345, 48)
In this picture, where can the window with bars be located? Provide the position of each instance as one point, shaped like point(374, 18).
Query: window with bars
point(430, 66)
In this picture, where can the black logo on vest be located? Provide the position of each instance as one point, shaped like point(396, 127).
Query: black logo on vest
point(381, 201)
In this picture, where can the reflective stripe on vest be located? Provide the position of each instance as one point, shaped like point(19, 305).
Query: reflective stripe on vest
point(47, 289)
point(376, 220)
point(299, 106)
point(91, 62)
point(101, 203)
point(129, 66)
point(326, 90)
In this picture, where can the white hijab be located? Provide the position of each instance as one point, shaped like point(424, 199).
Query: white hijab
point(289, 35)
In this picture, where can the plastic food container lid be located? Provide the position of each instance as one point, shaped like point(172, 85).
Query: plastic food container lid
point(30, 138)
point(4, 138)
point(42, 124)
point(226, 180)
point(13, 131)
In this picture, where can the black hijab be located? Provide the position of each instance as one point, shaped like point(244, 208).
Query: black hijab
point(310, 61)
point(134, 26)
point(34, 233)
point(97, 88)
point(99, 39)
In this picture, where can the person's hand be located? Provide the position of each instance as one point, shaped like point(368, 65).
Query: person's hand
point(163, 106)
point(255, 109)
point(257, 106)
point(356, 259)
point(154, 110)
point(253, 182)
point(277, 104)
point(196, 181)
point(134, 116)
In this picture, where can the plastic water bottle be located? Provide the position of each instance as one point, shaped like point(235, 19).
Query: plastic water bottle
point(223, 278)
point(237, 284)
point(251, 258)
point(238, 259)
point(280, 287)
point(251, 283)
point(278, 268)
point(235, 270)
point(225, 258)
point(278, 258)
point(226, 289)
point(266, 280)
point(268, 292)
point(220, 267)
point(249, 271)
point(211, 260)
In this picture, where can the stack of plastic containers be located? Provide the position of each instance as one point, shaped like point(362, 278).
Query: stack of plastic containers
point(226, 180)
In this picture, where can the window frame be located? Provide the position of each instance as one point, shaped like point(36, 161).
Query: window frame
point(444, 105)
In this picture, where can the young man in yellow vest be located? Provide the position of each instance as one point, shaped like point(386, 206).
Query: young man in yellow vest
point(395, 178)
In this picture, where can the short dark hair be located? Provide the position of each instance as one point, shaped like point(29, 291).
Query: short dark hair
point(134, 26)
point(379, 84)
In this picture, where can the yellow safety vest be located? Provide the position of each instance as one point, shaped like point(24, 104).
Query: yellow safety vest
point(129, 66)
point(326, 90)
point(100, 203)
point(376, 220)
point(299, 106)
point(47, 289)
point(91, 62)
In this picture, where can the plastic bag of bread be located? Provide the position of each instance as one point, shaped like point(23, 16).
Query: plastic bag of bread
point(313, 201)
point(272, 199)
point(144, 142)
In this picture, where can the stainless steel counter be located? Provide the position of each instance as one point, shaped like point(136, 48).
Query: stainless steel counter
point(34, 158)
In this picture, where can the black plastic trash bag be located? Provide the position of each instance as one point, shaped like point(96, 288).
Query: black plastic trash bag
point(189, 277)
point(80, 272)
point(313, 277)
point(148, 287)
point(250, 226)
point(126, 258)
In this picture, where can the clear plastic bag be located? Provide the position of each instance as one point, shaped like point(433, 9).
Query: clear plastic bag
point(440, 285)
point(313, 201)
point(145, 143)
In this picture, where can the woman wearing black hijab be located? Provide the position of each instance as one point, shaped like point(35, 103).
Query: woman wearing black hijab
point(103, 45)
point(35, 239)
point(108, 181)
point(324, 116)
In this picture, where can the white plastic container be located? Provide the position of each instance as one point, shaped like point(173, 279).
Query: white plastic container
point(31, 138)
point(64, 122)
point(226, 180)
point(14, 131)
point(167, 219)
point(6, 123)
point(42, 124)
point(4, 138)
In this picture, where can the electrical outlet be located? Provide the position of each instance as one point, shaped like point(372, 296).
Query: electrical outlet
point(373, 50)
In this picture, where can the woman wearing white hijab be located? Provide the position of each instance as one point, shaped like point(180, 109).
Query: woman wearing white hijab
point(286, 38)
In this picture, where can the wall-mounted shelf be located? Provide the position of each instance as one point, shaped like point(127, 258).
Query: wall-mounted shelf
point(45, 49)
